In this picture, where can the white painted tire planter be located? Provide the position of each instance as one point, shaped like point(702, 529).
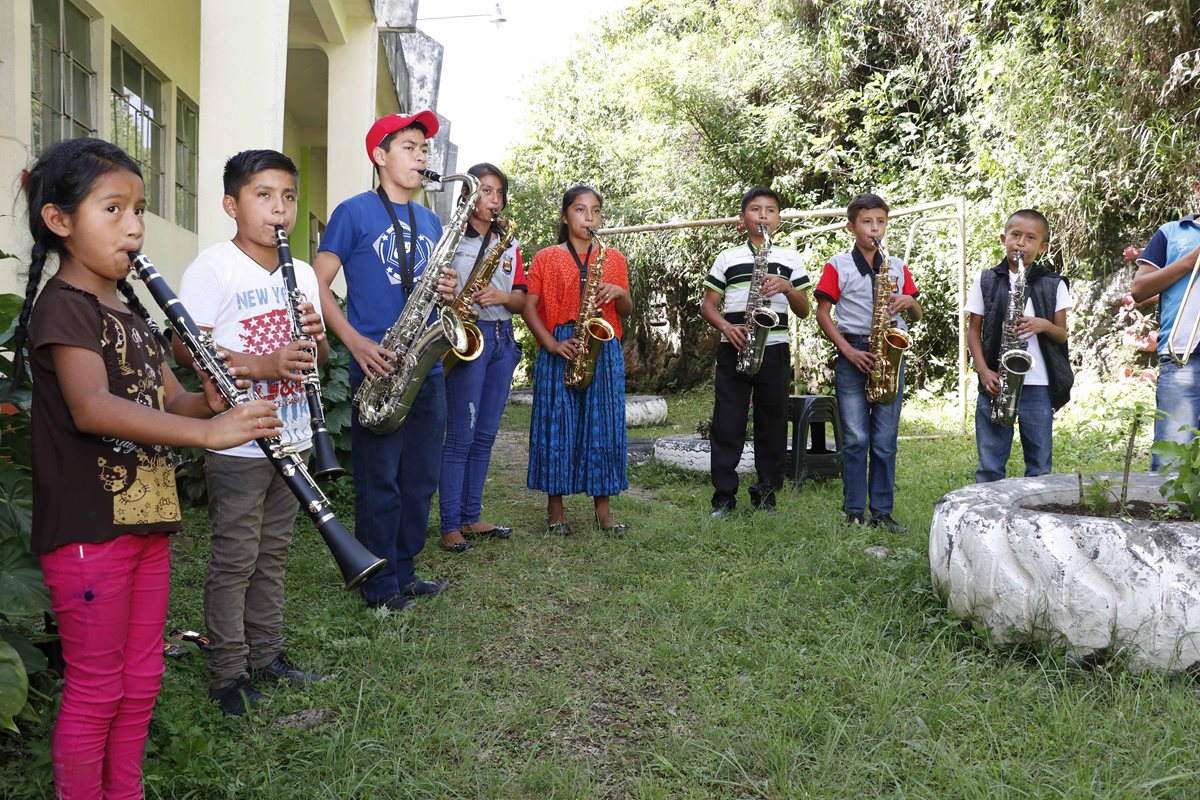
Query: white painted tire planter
point(641, 410)
point(692, 453)
point(1084, 583)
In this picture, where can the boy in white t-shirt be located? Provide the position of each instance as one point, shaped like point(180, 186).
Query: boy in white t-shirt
point(1043, 328)
point(235, 289)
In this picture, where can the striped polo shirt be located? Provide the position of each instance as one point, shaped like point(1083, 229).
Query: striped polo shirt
point(730, 277)
point(849, 283)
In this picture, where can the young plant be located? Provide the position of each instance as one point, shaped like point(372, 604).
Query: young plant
point(1183, 485)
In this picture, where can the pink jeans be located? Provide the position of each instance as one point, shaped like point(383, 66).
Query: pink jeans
point(111, 603)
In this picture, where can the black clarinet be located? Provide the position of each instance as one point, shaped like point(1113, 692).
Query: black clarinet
point(325, 466)
point(355, 561)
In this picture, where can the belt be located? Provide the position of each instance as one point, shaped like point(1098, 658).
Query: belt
point(854, 338)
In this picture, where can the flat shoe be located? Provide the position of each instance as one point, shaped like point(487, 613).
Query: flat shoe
point(616, 530)
point(498, 532)
point(559, 528)
point(458, 547)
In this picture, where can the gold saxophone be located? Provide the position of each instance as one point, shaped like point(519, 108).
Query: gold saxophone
point(464, 308)
point(888, 342)
point(591, 332)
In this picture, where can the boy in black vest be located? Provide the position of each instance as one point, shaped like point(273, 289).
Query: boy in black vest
point(1042, 326)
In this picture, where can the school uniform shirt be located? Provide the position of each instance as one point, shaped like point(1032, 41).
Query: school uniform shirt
point(730, 278)
point(1168, 244)
point(89, 489)
point(508, 277)
point(1039, 375)
point(249, 311)
point(848, 281)
point(360, 234)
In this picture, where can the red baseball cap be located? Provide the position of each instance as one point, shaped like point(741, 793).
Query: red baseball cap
point(398, 122)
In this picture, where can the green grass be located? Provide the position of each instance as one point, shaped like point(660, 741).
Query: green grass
point(758, 657)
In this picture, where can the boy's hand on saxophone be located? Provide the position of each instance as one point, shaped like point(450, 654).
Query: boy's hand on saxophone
point(447, 284)
point(738, 335)
point(863, 360)
point(990, 380)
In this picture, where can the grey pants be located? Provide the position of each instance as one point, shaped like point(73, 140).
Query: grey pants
point(252, 512)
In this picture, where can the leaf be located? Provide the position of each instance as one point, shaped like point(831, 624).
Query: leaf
point(16, 503)
point(35, 660)
point(22, 591)
point(14, 686)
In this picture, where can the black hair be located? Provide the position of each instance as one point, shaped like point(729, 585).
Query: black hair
point(241, 168)
point(757, 192)
point(1033, 215)
point(63, 177)
point(570, 197)
point(386, 142)
point(484, 169)
point(865, 202)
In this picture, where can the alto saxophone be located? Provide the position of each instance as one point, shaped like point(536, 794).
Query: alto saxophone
point(1015, 359)
point(760, 319)
point(464, 308)
point(383, 402)
point(590, 332)
point(888, 342)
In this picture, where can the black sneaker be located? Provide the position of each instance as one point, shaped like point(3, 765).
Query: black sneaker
point(722, 512)
point(280, 669)
point(886, 521)
point(425, 588)
point(238, 697)
point(396, 602)
point(855, 518)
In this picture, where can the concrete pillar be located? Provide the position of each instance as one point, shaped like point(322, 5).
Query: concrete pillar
point(243, 69)
point(16, 124)
point(352, 102)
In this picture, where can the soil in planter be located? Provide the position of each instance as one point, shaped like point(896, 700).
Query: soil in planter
point(1134, 509)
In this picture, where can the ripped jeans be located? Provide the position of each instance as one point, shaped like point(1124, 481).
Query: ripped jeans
point(476, 393)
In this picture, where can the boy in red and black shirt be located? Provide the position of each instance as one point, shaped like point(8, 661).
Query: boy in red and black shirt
point(848, 282)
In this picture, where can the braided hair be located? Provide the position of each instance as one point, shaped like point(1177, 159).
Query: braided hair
point(63, 177)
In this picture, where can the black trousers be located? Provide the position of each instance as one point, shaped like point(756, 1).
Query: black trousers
point(770, 388)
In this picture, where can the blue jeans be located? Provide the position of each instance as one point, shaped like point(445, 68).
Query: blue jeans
point(1178, 397)
point(994, 442)
point(866, 427)
point(395, 476)
point(476, 392)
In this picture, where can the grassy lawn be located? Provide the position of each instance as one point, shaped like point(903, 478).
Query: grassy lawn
point(754, 657)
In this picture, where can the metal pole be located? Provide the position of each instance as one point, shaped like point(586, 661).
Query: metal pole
point(962, 320)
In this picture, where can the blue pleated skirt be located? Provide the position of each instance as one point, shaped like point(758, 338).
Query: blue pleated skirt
point(577, 441)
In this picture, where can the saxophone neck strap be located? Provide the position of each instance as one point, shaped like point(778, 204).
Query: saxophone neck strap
point(583, 265)
point(483, 242)
point(405, 250)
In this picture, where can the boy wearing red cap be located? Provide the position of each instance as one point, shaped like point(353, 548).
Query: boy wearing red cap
point(383, 239)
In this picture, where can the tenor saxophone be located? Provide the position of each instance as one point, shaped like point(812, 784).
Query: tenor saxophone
point(888, 342)
point(1015, 359)
point(760, 319)
point(383, 402)
point(591, 332)
point(480, 277)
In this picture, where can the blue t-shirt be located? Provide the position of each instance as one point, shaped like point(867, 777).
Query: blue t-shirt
point(1169, 243)
point(360, 235)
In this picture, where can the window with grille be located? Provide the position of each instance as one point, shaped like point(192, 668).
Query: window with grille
point(63, 79)
point(137, 119)
point(187, 138)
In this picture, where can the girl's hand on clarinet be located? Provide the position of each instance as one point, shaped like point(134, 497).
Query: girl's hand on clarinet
point(291, 361)
point(245, 423)
point(310, 322)
point(216, 402)
point(374, 360)
point(568, 349)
